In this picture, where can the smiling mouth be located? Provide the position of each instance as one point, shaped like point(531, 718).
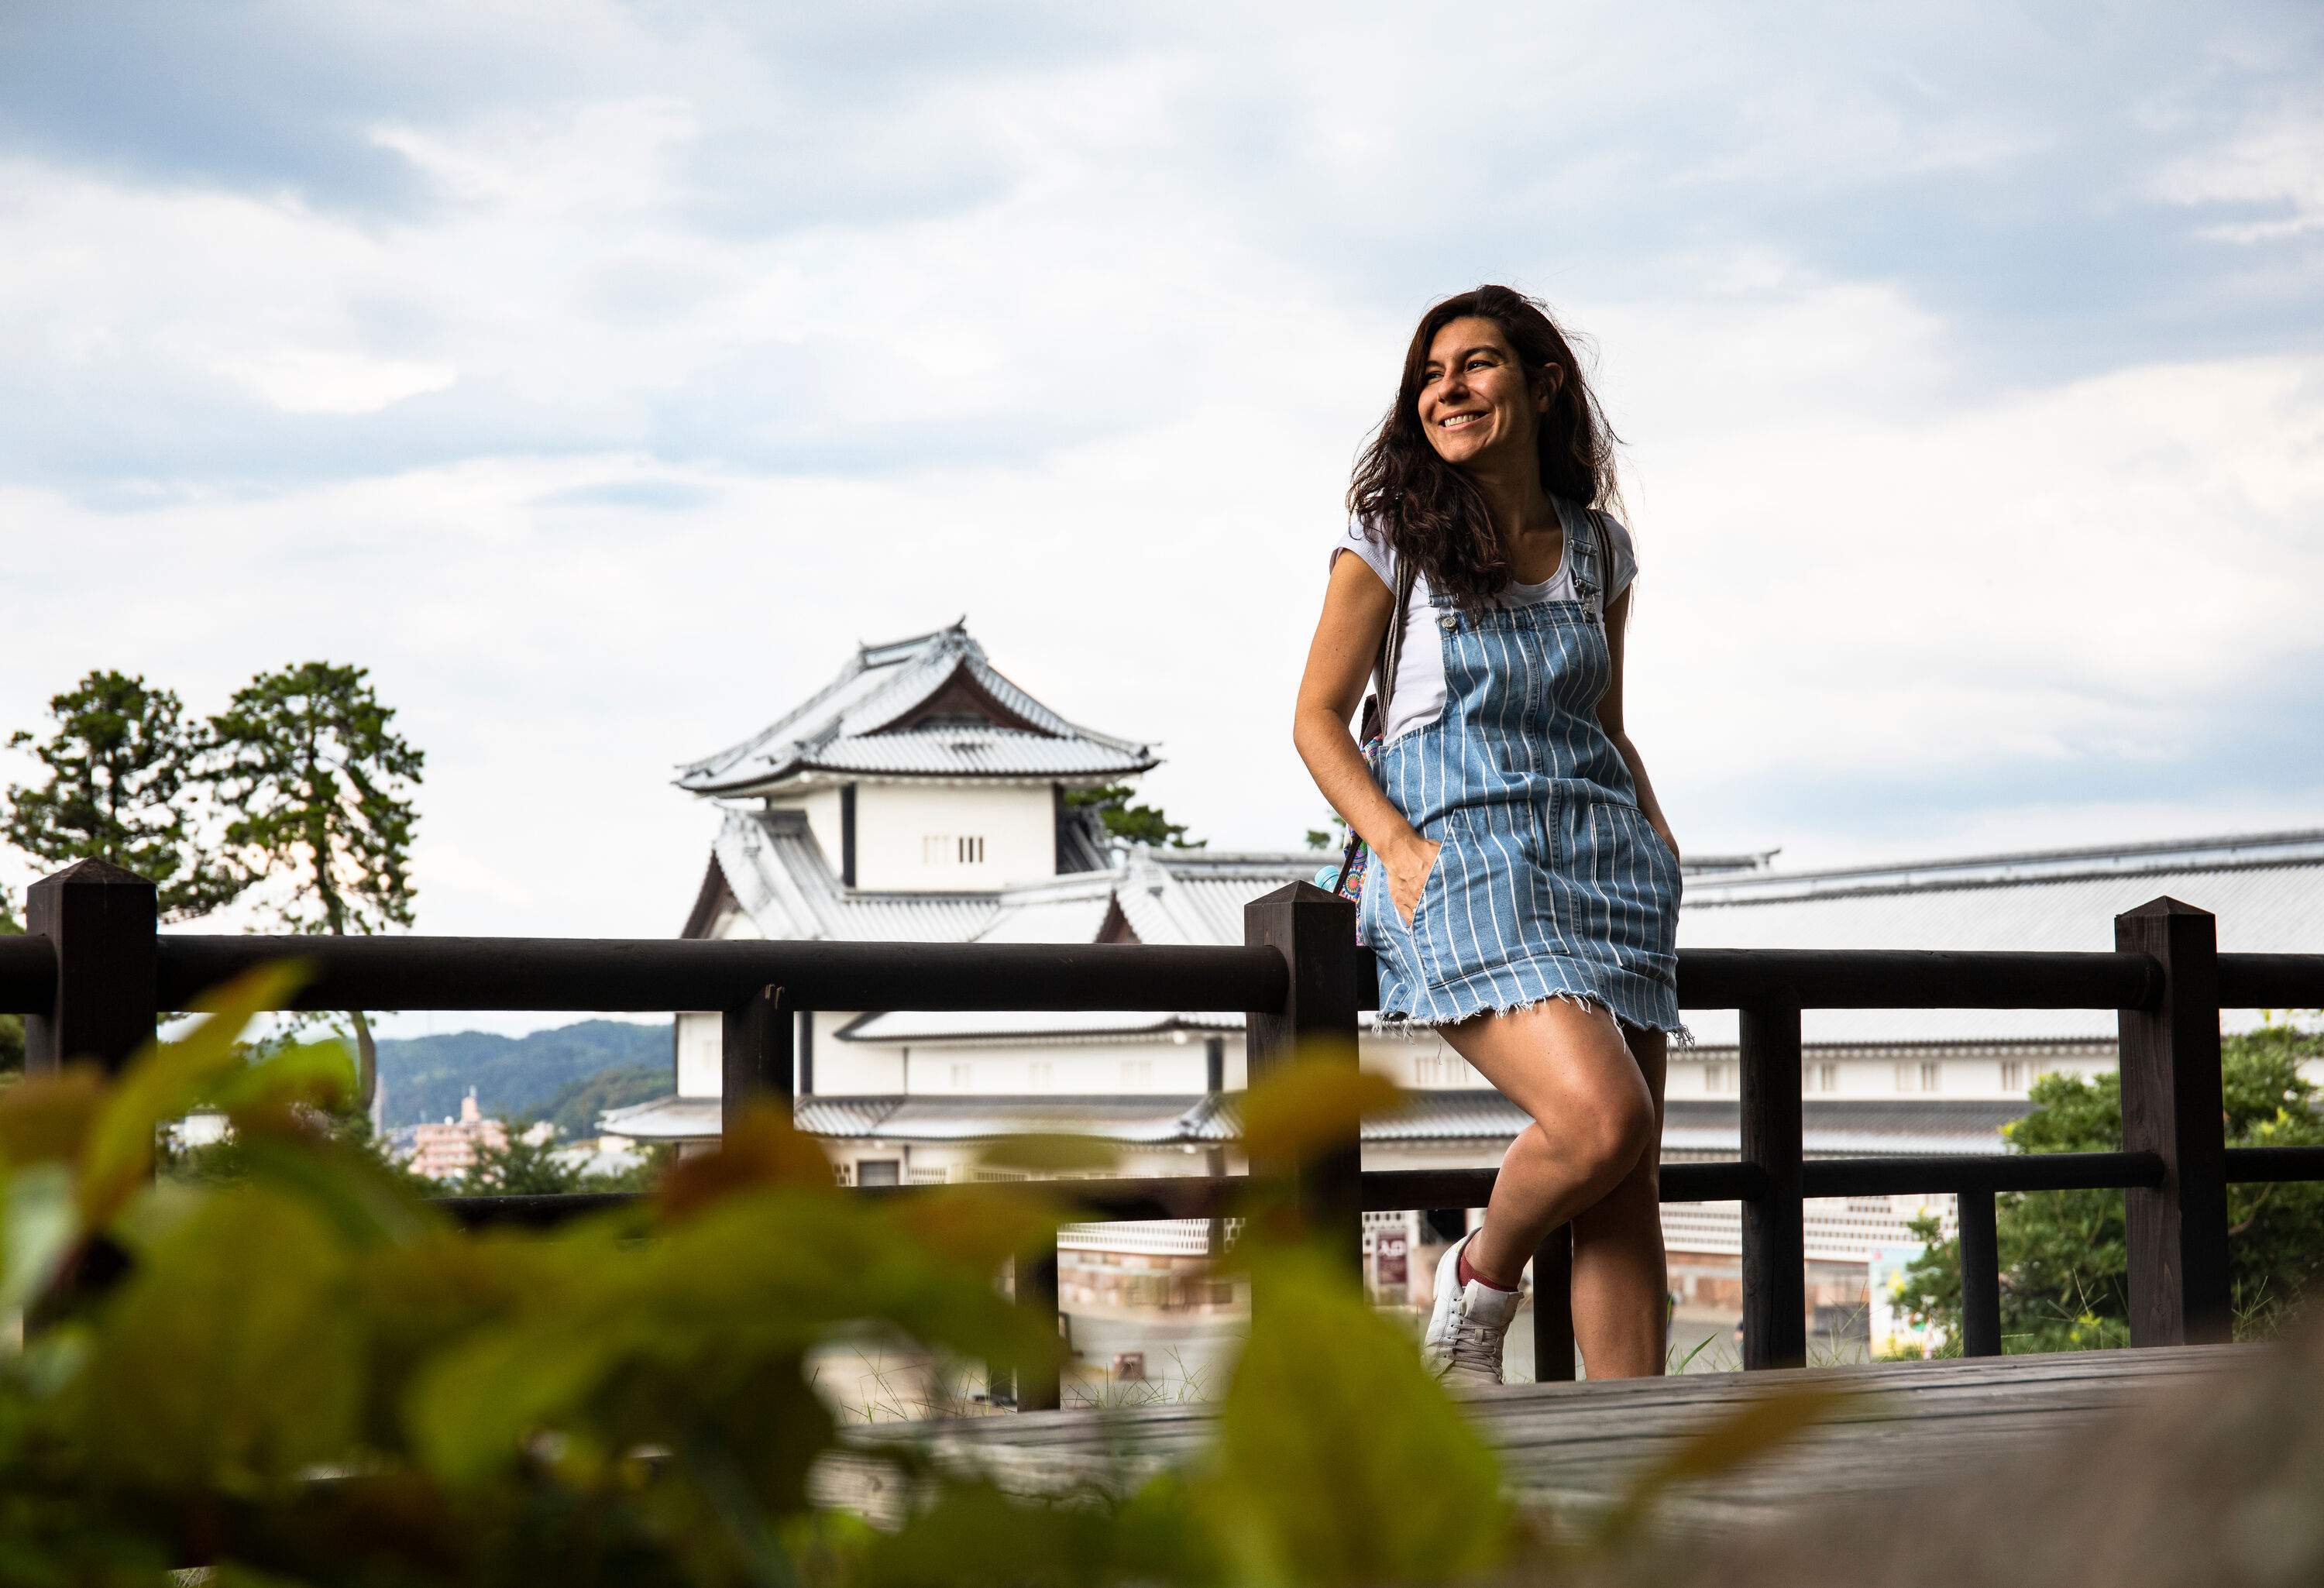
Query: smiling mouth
point(1456, 422)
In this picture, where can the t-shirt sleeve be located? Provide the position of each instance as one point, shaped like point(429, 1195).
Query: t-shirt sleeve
point(1377, 555)
point(1624, 555)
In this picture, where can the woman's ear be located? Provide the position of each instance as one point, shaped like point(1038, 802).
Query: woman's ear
point(1546, 387)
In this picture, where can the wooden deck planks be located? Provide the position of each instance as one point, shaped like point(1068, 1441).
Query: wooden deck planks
point(1576, 1447)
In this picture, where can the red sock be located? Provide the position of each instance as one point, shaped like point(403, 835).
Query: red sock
point(1469, 1275)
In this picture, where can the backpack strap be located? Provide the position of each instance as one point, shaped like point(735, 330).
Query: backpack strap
point(1373, 723)
point(1391, 650)
point(1600, 585)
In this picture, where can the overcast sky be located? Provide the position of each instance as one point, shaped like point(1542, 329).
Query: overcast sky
point(598, 375)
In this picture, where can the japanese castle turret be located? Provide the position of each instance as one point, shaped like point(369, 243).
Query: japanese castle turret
point(921, 770)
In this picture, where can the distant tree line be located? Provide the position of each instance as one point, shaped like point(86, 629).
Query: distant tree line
point(295, 802)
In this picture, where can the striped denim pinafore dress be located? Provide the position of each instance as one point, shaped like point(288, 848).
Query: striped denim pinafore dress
point(1551, 882)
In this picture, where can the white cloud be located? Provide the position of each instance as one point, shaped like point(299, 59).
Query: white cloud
point(2276, 165)
point(314, 379)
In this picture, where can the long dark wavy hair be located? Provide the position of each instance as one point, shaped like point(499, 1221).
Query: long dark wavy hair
point(1433, 513)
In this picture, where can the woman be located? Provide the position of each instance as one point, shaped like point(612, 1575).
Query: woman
point(1524, 888)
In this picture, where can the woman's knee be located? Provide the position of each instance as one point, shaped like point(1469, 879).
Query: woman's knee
point(1606, 1140)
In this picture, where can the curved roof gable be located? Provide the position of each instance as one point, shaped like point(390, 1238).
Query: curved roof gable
point(929, 705)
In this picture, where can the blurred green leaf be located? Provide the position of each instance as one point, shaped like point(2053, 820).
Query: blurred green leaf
point(1311, 1106)
point(316, 1075)
point(230, 1359)
point(471, 1412)
point(980, 1226)
point(39, 1227)
point(1050, 1154)
point(46, 1119)
point(761, 1149)
point(1339, 1459)
point(973, 1535)
point(168, 1080)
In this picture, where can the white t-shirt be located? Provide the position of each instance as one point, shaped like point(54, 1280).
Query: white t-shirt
point(1418, 697)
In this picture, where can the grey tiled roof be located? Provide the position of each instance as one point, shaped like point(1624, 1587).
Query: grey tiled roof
point(860, 723)
point(1132, 1121)
point(783, 883)
point(2267, 891)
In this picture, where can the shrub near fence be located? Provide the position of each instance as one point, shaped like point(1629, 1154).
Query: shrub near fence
point(93, 973)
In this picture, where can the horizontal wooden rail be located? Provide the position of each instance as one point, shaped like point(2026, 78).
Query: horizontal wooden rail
point(2272, 981)
point(1394, 1190)
point(28, 975)
point(1956, 1173)
point(2248, 1166)
point(656, 975)
point(661, 974)
point(1890, 978)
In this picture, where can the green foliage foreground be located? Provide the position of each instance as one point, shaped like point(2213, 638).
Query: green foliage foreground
point(2065, 1260)
point(306, 1375)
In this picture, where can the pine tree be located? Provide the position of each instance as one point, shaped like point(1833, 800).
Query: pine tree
point(319, 784)
point(123, 784)
point(1134, 823)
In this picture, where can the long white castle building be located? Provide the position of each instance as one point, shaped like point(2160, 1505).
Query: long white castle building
point(921, 797)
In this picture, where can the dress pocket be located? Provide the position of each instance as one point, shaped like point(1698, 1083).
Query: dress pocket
point(1628, 860)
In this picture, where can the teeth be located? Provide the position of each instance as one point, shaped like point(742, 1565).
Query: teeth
point(1458, 420)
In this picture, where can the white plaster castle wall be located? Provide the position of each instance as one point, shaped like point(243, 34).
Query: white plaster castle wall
point(698, 1073)
point(908, 836)
point(842, 1069)
point(852, 1069)
point(822, 807)
point(1128, 1067)
point(1989, 1075)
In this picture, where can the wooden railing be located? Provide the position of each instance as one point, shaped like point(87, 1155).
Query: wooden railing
point(94, 974)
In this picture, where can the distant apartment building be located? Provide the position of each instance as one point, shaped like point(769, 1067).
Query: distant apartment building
point(448, 1150)
point(921, 797)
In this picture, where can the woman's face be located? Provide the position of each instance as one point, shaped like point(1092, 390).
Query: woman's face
point(1474, 403)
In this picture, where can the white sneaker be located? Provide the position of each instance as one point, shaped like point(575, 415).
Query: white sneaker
point(1467, 1327)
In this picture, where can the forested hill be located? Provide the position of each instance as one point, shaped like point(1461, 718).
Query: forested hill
point(426, 1077)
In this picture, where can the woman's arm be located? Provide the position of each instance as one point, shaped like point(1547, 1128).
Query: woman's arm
point(1610, 717)
point(1357, 608)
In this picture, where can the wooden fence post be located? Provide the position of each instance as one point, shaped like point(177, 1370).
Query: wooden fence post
point(1035, 1288)
point(1552, 1307)
point(1774, 1244)
point(101, 921)
point(2172, 1106)
point(1316, 933)
point(754, 1055)
point(1980, 1274)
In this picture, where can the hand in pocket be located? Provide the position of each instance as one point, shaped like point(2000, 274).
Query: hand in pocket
point(1408, 876)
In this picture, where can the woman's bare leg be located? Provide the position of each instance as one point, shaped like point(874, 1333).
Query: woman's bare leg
point(1595, 1116)
point(1620, 1277)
